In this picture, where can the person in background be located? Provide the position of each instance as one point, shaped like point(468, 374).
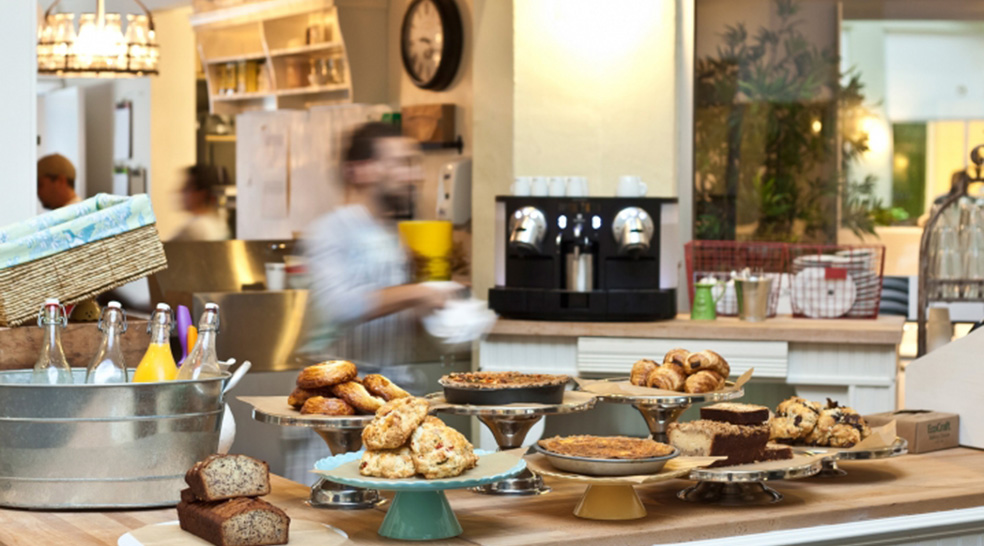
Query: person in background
point(56, 182)
point(198, 198)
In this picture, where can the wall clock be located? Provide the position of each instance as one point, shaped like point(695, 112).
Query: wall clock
point(431, 41)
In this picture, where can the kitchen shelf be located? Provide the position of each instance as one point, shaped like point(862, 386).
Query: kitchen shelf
point(234, 58)
point(310, 90)
point(240, 96)
point(305, 49)
point(220, 138)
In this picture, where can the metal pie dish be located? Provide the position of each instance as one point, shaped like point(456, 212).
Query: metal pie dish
point(606, 467)
point(500, 396)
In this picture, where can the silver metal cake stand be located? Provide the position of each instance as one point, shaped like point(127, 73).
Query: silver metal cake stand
point(660, 411)
point(734, 486)
point(832, 470)
point(509, 425)
point(343, 435)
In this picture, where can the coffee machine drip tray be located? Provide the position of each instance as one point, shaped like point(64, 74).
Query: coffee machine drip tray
point(595, 306)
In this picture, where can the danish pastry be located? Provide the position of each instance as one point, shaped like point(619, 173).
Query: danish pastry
point(703, 381)
point(358, 397)
point(319, 405)
point(440, 451)
point(394, 423)
point(669, 377)
point(676, 356)
point(326, 374)
point(640, 372)
point(382, 387)
point(707, 360)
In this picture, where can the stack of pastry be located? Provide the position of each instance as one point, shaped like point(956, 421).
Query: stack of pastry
point(333, 388)
point(403, 441)
point(222, 504)
point(683, 371)
point(739, 432)
point(798, 420)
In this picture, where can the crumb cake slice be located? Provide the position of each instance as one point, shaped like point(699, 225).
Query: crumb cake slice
point(741, 444)
point(736, 414)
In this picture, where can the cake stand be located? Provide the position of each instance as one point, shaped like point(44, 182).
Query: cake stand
point(342, 434)
point(509, 425)
point(661, 410)
point(745, 485)
point(831, 455)
point(420, 510)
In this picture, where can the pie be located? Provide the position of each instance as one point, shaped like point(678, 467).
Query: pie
point(605, 447)
point(502, 380)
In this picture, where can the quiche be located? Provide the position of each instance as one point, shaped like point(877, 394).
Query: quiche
point(605, 447)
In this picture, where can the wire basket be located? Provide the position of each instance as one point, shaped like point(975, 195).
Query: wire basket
point(836, 281)
point(717, 259)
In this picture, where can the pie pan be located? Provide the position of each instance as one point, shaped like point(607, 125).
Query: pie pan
point(606, 467)
point(499, 396)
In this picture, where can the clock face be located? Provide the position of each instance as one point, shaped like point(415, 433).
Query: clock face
point(431, 42)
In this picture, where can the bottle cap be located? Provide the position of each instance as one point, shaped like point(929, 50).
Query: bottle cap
point(163, 307)
point(212, 306)
point(51, 301)
point(114, 305)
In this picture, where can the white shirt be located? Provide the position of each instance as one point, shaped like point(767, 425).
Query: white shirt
point(203, 227)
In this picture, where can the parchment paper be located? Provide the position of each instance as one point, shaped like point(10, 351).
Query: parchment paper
point(799, 459)
point(625, 388)
point(880, 438)
point(678, 467)
point(571, 398)
point(302, 533)
point(488, 465)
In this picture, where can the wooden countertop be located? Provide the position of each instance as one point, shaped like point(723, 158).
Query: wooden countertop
point(885, 330)
point(911, 484)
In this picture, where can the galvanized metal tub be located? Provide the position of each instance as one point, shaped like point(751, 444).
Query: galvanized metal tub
point(103, 446)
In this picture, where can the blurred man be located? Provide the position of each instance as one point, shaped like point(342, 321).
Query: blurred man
point(56, 182)
point(198, 198)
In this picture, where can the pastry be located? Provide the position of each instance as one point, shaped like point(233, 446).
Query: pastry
point(795, 418)
point(776, 452)
point(298, 396)
point(388, 463)
point(606, 447)
point(440, 451)
point(219, 477)
point(736, 414)
point(668, 377)
point(394, 423)
point(677, 356)
point(320, 405)
point(326, 374)
point(703, 381)
point(741, 444)
point(501, 380)
point(640, 371)
point(380, 386)
point(236, 522)
point(358, 397)
point(707, 360)
point(838, 427)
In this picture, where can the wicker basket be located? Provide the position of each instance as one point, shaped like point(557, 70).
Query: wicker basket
point(80, 272)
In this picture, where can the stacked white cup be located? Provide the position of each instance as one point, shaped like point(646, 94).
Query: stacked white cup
point(553, 186)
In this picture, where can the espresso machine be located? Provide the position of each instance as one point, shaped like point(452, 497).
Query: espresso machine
point(581, 258)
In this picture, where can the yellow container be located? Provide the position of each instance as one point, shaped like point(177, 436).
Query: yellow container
point(157, 364)
point(431, 242)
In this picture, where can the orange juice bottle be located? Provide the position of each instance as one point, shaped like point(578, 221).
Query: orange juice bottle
point(157, 363)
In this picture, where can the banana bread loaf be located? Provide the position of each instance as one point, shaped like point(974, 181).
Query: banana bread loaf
point(235, 522)
point(220, 477)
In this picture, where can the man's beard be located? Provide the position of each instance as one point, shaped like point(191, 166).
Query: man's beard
point(397, 205)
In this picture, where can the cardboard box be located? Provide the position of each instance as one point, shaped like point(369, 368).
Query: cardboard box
point(924, 430)
point(429, 123)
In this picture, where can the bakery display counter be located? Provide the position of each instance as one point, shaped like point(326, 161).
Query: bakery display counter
point(879, 500)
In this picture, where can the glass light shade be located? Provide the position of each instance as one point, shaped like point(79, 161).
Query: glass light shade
point(100, 48)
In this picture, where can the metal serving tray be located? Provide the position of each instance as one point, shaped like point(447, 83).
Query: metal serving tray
point(606, 467)
point(103, 446)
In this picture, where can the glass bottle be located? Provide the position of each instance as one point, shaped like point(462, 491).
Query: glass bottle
point(107, 366)
point(157, 363)
point(203, 362)
point(52, 367)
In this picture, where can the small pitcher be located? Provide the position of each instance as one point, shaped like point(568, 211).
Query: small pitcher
point(705, 304)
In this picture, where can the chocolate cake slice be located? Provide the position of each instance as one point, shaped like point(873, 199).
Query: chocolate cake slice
point(741, 444)
point(736, 414)
point(776, 452)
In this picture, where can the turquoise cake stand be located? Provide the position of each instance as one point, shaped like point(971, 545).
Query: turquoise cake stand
point(420, 510)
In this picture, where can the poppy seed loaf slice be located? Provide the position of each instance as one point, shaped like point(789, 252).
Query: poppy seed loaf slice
point(220, 477)
point(236, 522)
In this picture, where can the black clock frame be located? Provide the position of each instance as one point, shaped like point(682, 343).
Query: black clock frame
point(450, 53)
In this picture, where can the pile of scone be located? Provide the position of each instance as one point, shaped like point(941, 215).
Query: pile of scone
point(683, 371)
point(798, 420)
point(403, 441)
point(333, 388)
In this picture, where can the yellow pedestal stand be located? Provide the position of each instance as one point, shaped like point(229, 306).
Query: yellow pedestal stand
point(610, 502)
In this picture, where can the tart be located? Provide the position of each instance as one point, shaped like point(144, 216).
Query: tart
point(606, 447)
point(497, 388)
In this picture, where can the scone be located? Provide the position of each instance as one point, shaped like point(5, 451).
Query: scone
point(388, 463)
point(326, 374)
point(795, 419)
point(838, 427)
point(358, 397)
point(382, 387)
point(394, 423)
point(440, 451)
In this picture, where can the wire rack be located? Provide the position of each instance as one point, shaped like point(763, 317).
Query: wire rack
point(717, 259)
point(836, 281)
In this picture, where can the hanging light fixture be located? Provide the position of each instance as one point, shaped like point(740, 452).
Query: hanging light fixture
point(99, 49)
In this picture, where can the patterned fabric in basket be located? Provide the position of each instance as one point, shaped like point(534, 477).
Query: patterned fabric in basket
point(94, 219)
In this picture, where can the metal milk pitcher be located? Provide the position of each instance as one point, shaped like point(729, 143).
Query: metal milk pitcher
point(705, 304)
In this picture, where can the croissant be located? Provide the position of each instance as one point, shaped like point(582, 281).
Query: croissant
point(676, 356)
point(668, 377)
point(640, 371)
point(703, 381)
point(707, 360)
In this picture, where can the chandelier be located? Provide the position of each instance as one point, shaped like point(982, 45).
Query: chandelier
point(99, 48)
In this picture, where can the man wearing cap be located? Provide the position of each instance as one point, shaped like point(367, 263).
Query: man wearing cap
point(56, 182)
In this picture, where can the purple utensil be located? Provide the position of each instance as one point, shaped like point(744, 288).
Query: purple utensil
point(184, 321)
